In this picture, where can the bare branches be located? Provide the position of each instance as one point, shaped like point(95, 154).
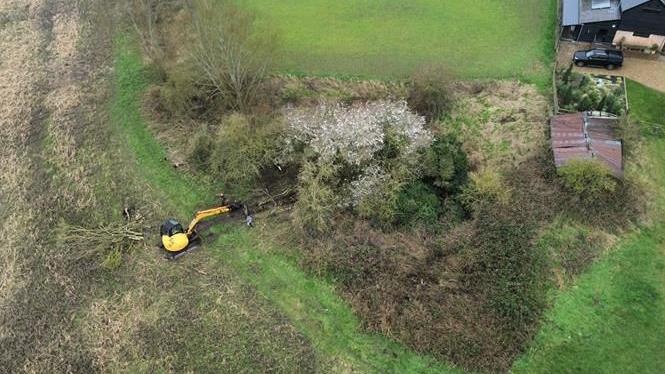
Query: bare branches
point(143, 15)
point(83, 243)
point(230, 55)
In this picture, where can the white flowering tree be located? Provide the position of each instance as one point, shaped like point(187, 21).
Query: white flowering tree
point(356, 137)
point(355, 133)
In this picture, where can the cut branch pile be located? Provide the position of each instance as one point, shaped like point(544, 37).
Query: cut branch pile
point(82, 243)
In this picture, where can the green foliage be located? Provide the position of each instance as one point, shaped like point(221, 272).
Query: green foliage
point(237, 153)
point(486, 187)
point(446, 164)
point(317, 201)
point(589, 179)
point(393, 145)
point(578, 92)
point(429, 92)
point(381, 206)
point(418, 203)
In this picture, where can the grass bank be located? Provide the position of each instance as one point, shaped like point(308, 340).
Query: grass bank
point(386, 38)
point(611, 320)
point(311, 304)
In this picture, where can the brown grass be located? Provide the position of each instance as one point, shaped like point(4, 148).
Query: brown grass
point(501, 123)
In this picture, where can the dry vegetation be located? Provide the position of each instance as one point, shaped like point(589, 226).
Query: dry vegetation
point(451, 251)
point(453, 257)
point(502, 123)
point(71, 297)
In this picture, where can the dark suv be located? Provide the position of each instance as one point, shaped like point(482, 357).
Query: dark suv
point(607, 58)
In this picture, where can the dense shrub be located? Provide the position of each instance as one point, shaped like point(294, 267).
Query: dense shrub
point(418, 203)
point(317, 201)
point(375, 192)
point(588, 179)
point(446, 164)
point(180, 93)
point(374, 149)
point(237, 153)
point(578, 92)
point(429, 93)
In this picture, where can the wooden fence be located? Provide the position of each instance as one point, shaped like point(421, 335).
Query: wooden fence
point(555, 66)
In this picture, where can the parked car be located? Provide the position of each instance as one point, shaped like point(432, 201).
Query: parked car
point(607, 58)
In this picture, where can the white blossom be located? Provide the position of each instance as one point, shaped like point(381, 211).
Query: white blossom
point(355, 132)
point(367, 184)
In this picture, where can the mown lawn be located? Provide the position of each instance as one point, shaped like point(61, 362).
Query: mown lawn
point(612, 319)
point(392, 38)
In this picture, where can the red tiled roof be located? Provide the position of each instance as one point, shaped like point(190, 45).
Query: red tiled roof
point(584, 136)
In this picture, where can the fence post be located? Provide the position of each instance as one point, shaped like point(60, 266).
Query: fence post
point(557, 38)
point(625, 95)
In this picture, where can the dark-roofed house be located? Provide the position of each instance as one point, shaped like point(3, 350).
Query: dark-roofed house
point(587, 136)
point(614, 21)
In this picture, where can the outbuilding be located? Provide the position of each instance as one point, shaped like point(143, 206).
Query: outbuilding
point(587, 135)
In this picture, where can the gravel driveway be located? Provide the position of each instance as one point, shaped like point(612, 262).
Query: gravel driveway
point(646, 69)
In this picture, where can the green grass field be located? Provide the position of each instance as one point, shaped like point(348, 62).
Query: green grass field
point(611, 320)
point(392, 38)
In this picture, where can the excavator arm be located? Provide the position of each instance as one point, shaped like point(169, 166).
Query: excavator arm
point(208, 213)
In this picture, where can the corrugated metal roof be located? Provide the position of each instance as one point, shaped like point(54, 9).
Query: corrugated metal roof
point(629, 4)
point(571, 12)
point(585, 136)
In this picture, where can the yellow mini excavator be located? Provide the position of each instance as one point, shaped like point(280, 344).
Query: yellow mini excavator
point(177, 241)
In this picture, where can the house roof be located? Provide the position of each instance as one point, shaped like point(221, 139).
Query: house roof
point(571, 12)
point(576, 12)
point(586, 136)
point(629, 4)
point(609, 11)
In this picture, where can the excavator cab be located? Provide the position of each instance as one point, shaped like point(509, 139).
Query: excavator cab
point(174, 239)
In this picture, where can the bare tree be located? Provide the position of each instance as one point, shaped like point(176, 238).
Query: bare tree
point(232, 57)
point(144, 15)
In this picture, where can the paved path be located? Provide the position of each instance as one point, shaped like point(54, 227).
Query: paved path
point(646, 69)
